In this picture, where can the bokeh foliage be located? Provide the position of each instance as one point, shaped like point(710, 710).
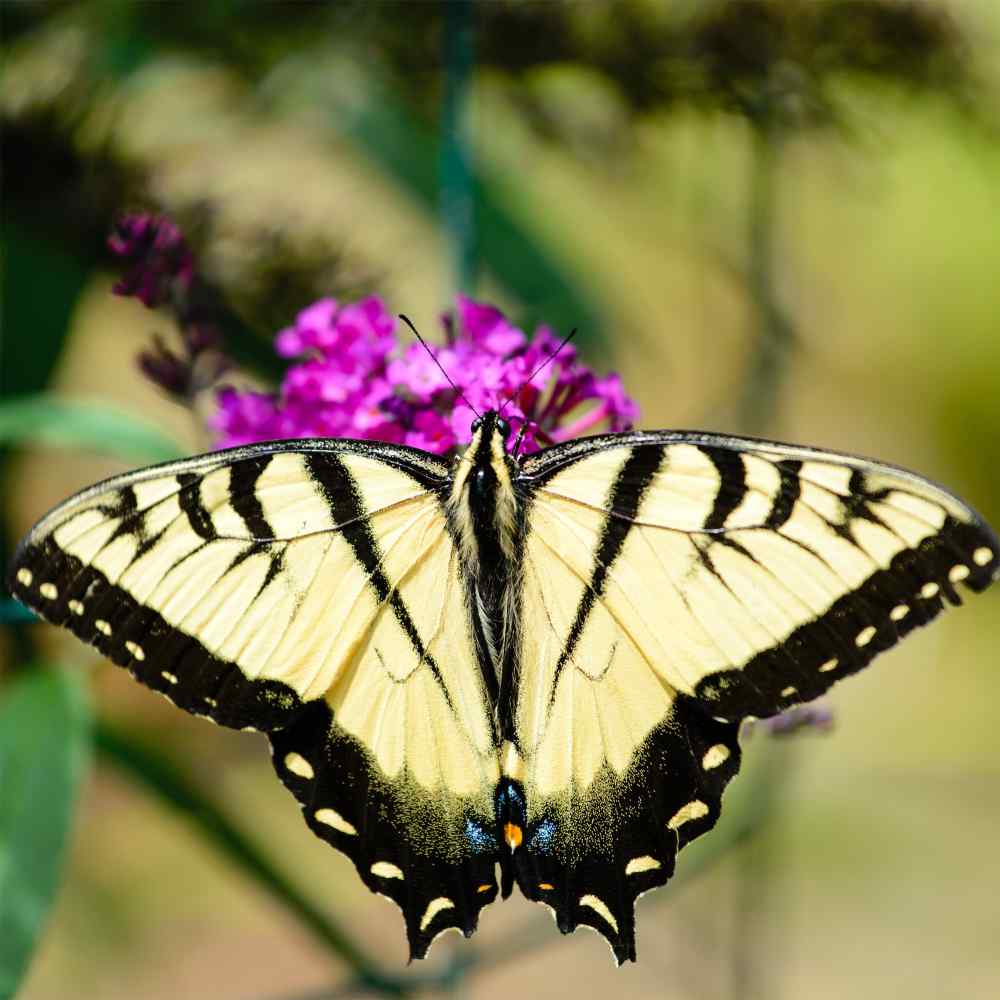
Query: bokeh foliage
point(109, 104)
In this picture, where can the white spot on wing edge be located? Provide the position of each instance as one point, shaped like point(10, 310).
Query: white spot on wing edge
point(167, 676)
point(600, 908)
point(693, 810)
point(386, 869)
point(899, 612)
point(646, 863)
point(982, 556)
point(24, 576)
point(434, 907)
point(48, 590)
point(788, 691)
point(929, 590)
point(297, 764)
point(102, 626)
point(958, 572)
point(333, 818)
point(714, 756)
point(828, 666)
point(865, 636)
point(75, 606)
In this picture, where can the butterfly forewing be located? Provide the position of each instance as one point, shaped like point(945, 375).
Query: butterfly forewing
point(673, 584)
point(310, 591)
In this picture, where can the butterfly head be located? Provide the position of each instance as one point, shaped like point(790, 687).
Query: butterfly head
point(489, 425)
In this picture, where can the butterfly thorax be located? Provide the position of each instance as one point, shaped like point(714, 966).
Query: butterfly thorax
point(483, 508)
point(483, 503)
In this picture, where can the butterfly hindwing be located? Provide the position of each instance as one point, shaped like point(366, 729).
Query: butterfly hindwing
point(590, 851)
point(673, 584)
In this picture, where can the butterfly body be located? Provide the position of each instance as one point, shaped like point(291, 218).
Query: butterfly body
point(535, 664)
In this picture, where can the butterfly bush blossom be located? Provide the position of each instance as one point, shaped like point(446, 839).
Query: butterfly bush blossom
point(349, 378)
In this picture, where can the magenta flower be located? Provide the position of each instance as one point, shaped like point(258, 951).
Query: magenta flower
point(351, 379)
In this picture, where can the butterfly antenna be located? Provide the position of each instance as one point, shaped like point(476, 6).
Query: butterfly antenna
point(426, 346)
point(547, 361)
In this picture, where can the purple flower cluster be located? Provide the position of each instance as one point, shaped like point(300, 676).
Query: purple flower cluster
point(160, 271)
point(349, 380)
point(815, 715)
point(160, 264)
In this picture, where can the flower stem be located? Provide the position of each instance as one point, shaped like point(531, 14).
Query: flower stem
point(457, 200)
point(775, 335)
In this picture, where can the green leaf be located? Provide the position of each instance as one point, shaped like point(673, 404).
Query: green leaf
point(71, 424)
point(44, 752)
point(41, 283)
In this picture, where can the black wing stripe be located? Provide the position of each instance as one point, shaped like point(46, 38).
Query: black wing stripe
point(623, 503)
point(732, 486)
point(347, 509)
point(189, 499)
point(244, 499)
point(791, 487)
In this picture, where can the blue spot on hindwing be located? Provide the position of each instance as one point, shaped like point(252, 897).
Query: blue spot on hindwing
point(543, 836)
point(478, 837)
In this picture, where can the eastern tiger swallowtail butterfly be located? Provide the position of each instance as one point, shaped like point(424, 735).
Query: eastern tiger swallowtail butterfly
point(504, 670)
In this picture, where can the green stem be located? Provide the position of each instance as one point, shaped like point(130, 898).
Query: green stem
point(775, 336)
point(457, 200)
point(171, 786)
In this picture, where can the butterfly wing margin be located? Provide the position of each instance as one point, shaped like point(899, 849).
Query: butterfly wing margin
point(276, 587)
point(692, 579)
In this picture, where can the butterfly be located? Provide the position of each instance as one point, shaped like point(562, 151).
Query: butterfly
point(504, 669)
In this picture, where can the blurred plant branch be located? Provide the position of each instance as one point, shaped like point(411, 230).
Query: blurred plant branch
point(170, 785)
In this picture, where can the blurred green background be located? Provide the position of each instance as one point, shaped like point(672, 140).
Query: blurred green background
point(772, 217)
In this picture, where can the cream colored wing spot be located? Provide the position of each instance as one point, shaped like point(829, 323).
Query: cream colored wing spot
point(434, 907)
point(297, 764)
point(865, 636)
point(49, 591)
point(135, 649)
point(75, 606)
point(929, 590)
point(211, 702)
point(102, 626)
point(714, 756)
point(958, 573)
point(825, 668)
point(168, 677)
point(25, 576)
point(982, 556)
point(695, 809)
point(646, 863)
point(788, 691)
point(386, 869)
point(899, 612)
point(601, 909)
point(330, 817)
